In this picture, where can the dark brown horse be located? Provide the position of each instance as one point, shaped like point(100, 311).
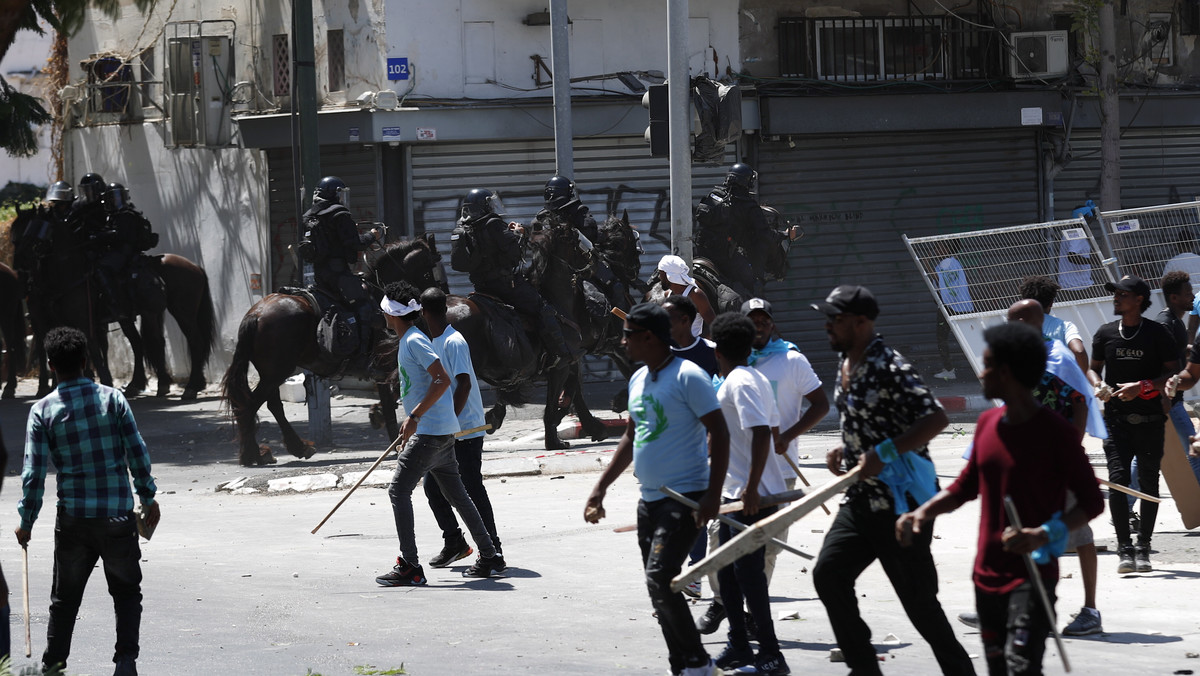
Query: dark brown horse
point(278, 335)
point(12, 328)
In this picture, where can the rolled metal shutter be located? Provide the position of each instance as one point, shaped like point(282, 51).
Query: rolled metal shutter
point(856, 195)
point(1158, 166)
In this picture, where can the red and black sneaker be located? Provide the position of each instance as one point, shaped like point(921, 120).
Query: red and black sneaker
point(402, 575)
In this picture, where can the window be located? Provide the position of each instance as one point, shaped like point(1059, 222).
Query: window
point(337, 61)
point(879, 49)
point(281, 60)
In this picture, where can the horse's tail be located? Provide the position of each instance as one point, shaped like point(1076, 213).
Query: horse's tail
point(206, 327)
point(235, 386)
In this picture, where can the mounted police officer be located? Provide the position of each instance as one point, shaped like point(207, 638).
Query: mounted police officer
point(60, 196)
point(334, 242)
point(88, 212)
point(118, 247)
point(490, 250)
point(731, 229)
point(563, 204)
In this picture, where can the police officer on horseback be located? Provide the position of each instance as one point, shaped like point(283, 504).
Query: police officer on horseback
point(733, 232)
point(332, 243)
point(88, 212)
point(490, 250)
point(118, 247)
point(563, 205)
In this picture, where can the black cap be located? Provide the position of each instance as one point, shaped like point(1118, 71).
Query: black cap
point(757, 304)
point(1131, 283)
point(654, 318)
point(847, 298)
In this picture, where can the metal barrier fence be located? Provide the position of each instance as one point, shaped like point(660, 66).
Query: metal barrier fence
point(1152, 241)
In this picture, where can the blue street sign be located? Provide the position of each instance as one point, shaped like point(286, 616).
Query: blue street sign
point(397, 69)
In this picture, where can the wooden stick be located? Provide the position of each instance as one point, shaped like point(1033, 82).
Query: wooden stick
point(618, 312)
point(1035, 578)
point(398, 442)
point(800, 475)
point(731, 522)
point(25, 584)
point(730, 507)
point(757, 535)
point(1129, 491)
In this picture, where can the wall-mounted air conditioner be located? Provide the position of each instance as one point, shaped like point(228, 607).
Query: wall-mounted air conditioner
point(1037, 55)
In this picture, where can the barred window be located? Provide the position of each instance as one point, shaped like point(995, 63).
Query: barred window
point(281, 59)
point(337, 61)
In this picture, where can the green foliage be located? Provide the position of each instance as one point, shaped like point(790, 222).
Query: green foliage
point(6, 669)
point(21, 112)
point(372, 671)
point(20, 194)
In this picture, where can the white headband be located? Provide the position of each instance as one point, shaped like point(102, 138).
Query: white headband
point(391, 307)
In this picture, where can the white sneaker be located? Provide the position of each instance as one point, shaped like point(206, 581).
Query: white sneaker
point(709, 669)
point(693, 589)
point(947, 374)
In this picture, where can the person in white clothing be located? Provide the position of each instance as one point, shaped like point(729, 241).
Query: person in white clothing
point(1044, 290)
point(673, 274)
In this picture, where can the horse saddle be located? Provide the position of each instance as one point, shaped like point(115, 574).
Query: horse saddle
point(146, 286)
point(722, 295)
point(508, 329)
point(339, 330)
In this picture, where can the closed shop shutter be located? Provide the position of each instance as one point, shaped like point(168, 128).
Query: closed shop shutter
point(1158, 166)
point(353, 163)
point(612, 175)
point(856, 195)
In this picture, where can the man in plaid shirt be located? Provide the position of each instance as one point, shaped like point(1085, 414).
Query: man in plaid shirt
point(88, 432)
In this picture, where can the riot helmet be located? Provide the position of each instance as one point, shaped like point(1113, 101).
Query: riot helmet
point(92, 188)
point(115, 198)
point(742, 179)
point(559, 191)
point(332, 189)
point(479, 203)
point(61, 191)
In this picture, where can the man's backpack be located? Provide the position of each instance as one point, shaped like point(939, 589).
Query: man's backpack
point(465, 253)
point(313, 247)
point(142, 236)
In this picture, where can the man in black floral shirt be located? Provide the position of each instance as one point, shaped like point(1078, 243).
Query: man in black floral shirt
point(888, 417)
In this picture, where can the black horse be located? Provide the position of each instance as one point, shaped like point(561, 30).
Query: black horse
point(278, 335)
point(12, 327)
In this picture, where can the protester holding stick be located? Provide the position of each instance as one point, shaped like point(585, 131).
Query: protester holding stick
point(672, 407)
point(888, 417)
point(1027, 452)
point(429, 430)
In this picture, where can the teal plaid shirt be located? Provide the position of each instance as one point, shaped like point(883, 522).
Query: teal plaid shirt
point(88, 431)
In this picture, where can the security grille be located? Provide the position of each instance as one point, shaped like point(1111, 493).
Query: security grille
point(281, 57)
point(337, 61)
point(1151, 241)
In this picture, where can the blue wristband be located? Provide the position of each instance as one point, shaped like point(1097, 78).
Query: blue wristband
point(886, 450)
point(1057, 533)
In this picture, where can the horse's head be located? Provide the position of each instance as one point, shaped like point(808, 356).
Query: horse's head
point(415, 261)
point(620, 245)
point(776, 265)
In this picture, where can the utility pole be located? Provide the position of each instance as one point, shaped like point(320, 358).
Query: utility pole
point(560, 64)
point(306, 149)
point(1110, 112)
point(680, 104)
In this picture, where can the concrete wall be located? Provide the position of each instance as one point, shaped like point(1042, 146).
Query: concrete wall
point(481, 49)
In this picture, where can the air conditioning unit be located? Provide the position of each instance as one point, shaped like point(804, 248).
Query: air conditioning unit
point(1037, 55)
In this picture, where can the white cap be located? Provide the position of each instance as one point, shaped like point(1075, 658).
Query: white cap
point(676, 269)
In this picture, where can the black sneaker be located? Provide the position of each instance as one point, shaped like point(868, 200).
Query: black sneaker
point(712, 618)
point(1126, 564)
point(402, 575)
point(771, 664)
point(1141, 559)
point(126, 666)
point(500, 564)
point(485, 566)
point(734, 657)
point(453, 551)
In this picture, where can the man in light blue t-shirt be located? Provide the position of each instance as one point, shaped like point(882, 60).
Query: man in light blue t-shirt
point(455, 354)
point(672, 407)
point(429, 432)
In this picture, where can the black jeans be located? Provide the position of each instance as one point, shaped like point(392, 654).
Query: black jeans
point(1014, 627)
point(856, 539)
point(469, 453)
point(746, 580)
point(666, 532)
point(1125, 441)
point(78, 544)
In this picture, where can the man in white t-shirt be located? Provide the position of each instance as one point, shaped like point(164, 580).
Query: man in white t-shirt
point(1044, 290)
point(748, 404)
point(798, 394)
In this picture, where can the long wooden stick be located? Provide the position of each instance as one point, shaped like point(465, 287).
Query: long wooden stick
point(1129, 491)
point(398, 442)
point(1035, 578)
point(800, 475)
point(760, 533)
point(730, 507)
point(25, 584)
point(731, 522)
point(618, 312)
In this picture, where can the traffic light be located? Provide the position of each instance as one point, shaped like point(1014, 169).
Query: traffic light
point(658, 133)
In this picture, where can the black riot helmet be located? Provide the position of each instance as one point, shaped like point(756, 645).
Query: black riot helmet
point(742, 180)
point(115, 198)
point(559, 191)
point(479, 203)
point(91, 188)
point(61, 191)
point(332, 189)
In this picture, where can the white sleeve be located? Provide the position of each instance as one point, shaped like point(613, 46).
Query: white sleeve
point(751, 407)
point(802, 373)
point(1070, 332)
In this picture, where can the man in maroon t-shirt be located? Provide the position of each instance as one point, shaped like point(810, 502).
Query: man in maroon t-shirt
point(1031, 454)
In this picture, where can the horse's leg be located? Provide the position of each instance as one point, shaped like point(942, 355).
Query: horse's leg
point(387, 409)
point(591, 427)
point(295, 445)
point(495, 417)
point(137, 382)
point(98, 346)
point(155, 344)
point(552, 414)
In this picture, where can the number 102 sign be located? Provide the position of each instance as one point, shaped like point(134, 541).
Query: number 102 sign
point(397, 69)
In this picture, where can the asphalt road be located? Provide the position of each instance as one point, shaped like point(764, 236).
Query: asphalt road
point(236, 584)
